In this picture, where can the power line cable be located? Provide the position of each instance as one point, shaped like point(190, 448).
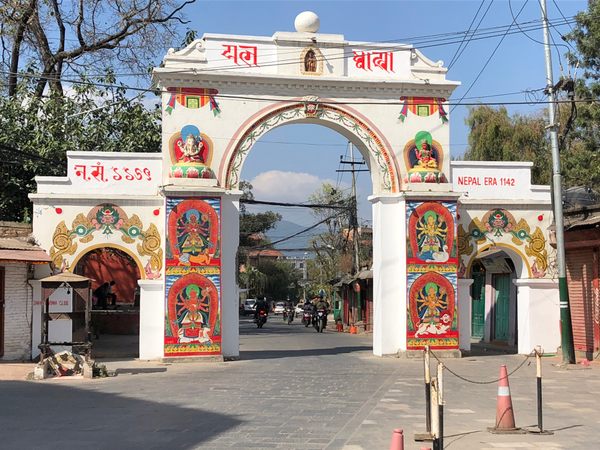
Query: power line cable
point(438, 41)
point(489, 58)
point(459, 52)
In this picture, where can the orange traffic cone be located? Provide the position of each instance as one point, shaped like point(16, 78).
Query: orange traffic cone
point(397, 440)
point(505, 416)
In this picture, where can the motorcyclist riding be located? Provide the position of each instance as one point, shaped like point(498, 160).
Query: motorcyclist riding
point(322, 304)
point(261, 303)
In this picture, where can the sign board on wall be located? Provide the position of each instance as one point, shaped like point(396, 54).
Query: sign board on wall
point(61, 300)
point(497, 180)
point(115, 173)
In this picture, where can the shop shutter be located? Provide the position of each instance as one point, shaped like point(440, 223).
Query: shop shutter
point(580, 273)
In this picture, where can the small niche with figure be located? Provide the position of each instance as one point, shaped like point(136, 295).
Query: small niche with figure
point(312, 61)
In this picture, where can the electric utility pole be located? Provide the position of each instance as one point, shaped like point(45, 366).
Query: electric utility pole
point(354, 206)
point(568, 352)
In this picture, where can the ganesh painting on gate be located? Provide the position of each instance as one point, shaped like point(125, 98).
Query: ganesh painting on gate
point(431, 275)
point(191, 154)
point(193, 277)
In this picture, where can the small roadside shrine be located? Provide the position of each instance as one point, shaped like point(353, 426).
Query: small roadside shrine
point(459, 250)
point(66, 300)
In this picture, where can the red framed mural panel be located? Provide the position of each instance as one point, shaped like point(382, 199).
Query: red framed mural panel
point(431, 275)
point(193, 277)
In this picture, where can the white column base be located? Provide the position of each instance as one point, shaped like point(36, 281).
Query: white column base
point(152, 319)
point(538, 314)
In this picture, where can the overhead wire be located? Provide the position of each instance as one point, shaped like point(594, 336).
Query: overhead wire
point(438, 40)
point(457, 55)
point(489, 58)
point(332, 102)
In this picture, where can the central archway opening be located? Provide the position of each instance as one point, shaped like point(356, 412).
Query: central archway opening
point(300, 164)
point(115, 310)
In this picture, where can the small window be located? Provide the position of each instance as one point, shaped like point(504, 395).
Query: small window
point(423, 110)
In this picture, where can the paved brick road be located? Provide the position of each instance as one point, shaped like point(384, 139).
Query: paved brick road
point(293, 389)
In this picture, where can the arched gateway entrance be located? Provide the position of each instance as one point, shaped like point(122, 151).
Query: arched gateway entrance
point(176, 213)
point(222, 93)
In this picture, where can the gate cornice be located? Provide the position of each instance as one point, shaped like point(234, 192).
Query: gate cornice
point(331, 85)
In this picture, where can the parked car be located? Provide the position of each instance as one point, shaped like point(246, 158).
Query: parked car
point(279, 308)
point(249, 306)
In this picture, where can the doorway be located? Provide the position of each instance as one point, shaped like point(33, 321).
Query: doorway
point(501, 307)
point(478, 303)
point(115, 326)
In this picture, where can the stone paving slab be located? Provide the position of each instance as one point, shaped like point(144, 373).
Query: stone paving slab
point(294, 389)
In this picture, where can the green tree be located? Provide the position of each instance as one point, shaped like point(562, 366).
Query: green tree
point(58, 38)
point(496, 136)
point(282, 280)
point(253, 226)
point(333, 252)
point(36, 133)
point(581, 152)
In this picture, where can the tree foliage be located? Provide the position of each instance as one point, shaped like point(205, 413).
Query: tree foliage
point(56, 38)
point(582, 145)
point(333, 252)
point(253, 226)
point(282, 280)
point(496, 136)
point(36, 133)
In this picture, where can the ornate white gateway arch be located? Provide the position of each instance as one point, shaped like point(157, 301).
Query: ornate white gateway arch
point(221, 94)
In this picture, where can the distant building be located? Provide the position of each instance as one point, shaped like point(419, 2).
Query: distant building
point(268, 254)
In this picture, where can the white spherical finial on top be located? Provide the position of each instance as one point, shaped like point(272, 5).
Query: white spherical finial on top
point(307, 22)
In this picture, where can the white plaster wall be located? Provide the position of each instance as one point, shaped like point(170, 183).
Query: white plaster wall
point(17, 312)
point(236, 117)
point(531, 211)
point(50, 211)
point(230, 209)
point(538, 315)
point(464, 313)
point(152, 319)
point(389, 274)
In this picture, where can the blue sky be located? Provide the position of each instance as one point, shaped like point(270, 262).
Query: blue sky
point(290, 162)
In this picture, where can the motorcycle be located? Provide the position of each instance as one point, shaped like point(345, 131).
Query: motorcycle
point(320, 320)
point(306, 318)
point(288, 315)
point(261, 319)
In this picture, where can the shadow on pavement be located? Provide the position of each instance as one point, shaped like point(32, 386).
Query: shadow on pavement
point(135, 371)
point(49, 416)
point(274, 354)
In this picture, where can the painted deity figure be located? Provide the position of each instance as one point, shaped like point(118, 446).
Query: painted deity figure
point(432, 304)
point(193, 234)
point(310, 61)
point(193, 310)
point(192, 149)
point(423, 151)
point(431, 237)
